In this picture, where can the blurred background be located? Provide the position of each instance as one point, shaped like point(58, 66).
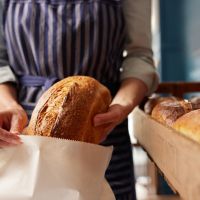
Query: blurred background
point(176, 47)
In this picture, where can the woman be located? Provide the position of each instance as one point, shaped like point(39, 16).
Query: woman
point(43, 41)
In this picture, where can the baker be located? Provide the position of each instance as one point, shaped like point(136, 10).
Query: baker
point(43, 41)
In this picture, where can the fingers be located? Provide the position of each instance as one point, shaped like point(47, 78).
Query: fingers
point(5, 144)
point(18, 122)
point(114, 115)
point(7, 138)
point(107, 129)
point(109, 120)
point(104, 118)
point(13, 120)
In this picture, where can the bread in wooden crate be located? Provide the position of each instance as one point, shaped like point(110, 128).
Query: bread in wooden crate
point(155, 100)
point(189, 125)
point(167, 112)
point(180, 114)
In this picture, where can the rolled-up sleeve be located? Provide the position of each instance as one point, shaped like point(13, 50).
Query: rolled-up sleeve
point(138, 62)
point(6, 74)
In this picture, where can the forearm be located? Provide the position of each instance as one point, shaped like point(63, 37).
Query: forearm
point(8, 95)
point(131, 93)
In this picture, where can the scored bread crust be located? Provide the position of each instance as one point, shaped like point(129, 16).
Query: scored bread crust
point(67, 109)
point(168, 112)
point(152, 102)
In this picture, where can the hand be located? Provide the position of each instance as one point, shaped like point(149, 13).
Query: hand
point(12, 122)
point(108, 121)
point(130, 94)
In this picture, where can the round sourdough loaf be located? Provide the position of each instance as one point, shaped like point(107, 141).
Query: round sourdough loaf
point(167, 112)
point(152, 102)
point(66, 110)
point(189, 125)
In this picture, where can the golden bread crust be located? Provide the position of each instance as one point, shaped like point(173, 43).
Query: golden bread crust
point(152, 102)
point(168, 112)
point(189, 125)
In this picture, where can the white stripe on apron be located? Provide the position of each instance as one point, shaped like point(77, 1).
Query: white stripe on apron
point(54, 39)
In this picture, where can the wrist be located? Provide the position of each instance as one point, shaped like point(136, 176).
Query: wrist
point(131, 92)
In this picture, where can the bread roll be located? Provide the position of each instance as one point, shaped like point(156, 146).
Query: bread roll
point(168, 112)
point(195, 100)
point(189, 125)
point(153, 101)
point(66, 110)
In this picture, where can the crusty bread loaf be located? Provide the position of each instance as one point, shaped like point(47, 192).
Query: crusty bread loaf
point(66, 110)
point(153, 101)
point(195, 100)
point(167, 112)
point(189, 125)
point(180, 114)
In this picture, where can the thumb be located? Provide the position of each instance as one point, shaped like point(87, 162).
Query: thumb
point(17, 124)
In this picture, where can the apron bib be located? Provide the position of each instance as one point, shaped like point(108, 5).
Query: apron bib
point(59, 38)
point(48, 40)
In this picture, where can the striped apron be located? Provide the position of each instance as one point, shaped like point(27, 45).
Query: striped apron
point(48, 40)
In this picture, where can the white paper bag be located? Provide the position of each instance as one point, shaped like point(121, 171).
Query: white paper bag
point(45, 168)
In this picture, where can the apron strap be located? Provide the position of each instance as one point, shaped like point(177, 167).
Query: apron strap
point(37, 81)
point(47, 82)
